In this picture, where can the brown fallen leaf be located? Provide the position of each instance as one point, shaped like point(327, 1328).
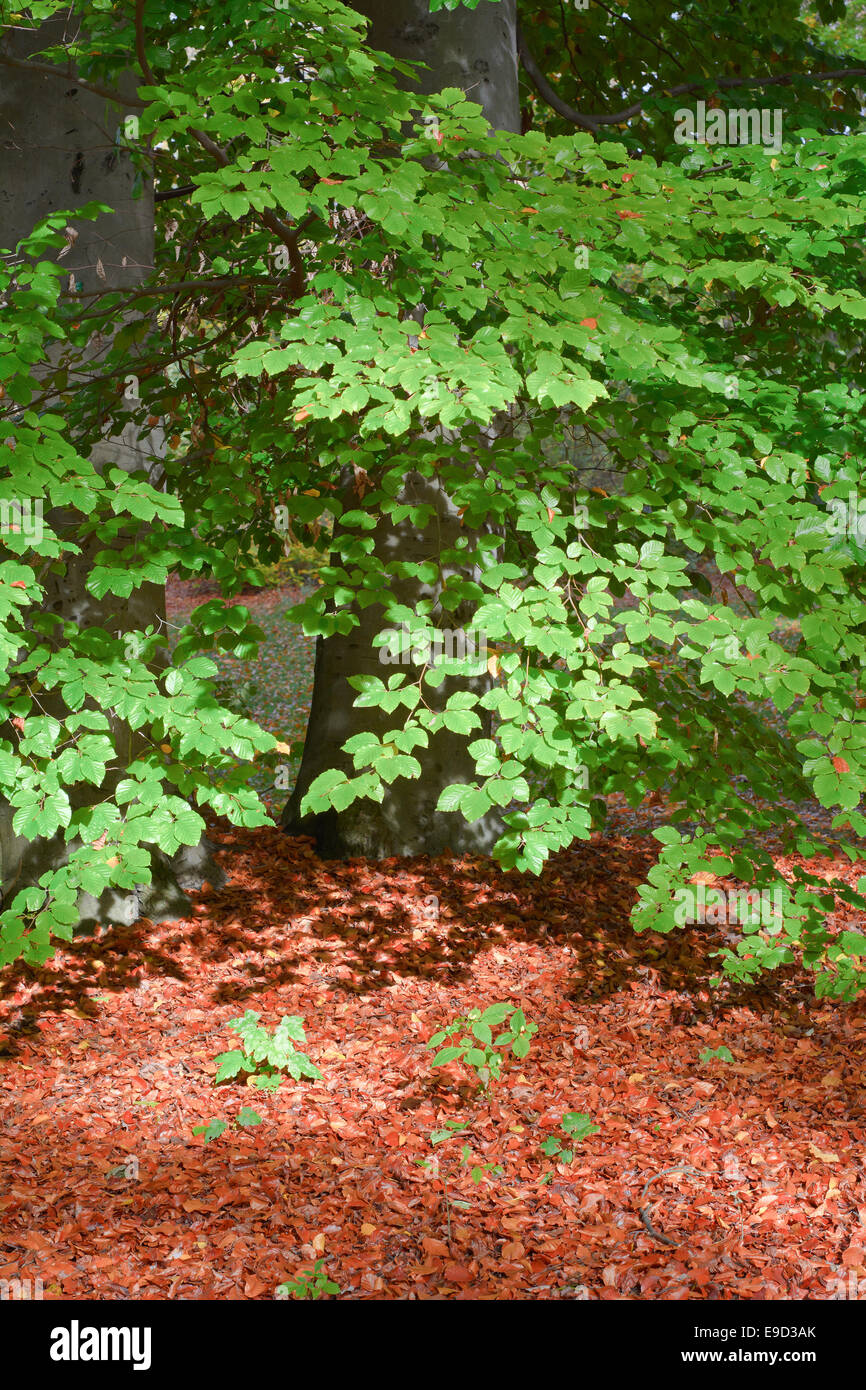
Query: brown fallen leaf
point(825, 1155)
point(435, 1247)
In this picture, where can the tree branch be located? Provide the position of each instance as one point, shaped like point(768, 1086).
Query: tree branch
point(215, 282)
point(544, 89)
point(118, 98)
point(165, 193)
point(592, 121)
point(163, 360)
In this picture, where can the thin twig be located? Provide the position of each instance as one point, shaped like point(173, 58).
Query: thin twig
point(643, 1211)
point(118, 98)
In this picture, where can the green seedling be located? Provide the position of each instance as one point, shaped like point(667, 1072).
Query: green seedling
point(246, 1118)
point(266, 1057)
point(312, 1283)
point(575, 1127)
point(477, 1048)
point(718, 1054)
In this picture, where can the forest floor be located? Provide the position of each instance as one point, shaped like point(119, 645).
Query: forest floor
point(706, 1179)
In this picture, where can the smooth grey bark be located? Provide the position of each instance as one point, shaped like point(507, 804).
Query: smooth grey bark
point(476, 51)
point(59, 149)
point(407, 821)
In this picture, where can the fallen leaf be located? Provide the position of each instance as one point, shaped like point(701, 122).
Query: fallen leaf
point(825, 1155)
point(435, 1247)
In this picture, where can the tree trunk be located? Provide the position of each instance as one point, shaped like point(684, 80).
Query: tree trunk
point(59, 149)
point(476, 51)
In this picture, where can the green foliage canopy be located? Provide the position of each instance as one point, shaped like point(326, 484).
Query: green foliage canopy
point(702, 322)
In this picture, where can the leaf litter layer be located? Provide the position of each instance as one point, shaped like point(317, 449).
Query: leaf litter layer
point(707, 1179)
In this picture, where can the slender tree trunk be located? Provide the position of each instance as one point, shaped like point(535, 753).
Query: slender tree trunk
point(59, 149)
point(476, 51)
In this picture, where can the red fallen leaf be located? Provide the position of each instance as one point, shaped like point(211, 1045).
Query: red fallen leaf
point(391, 1137)
point(853, 1257)
point(624, 214)
point(435, 1247)
point(18, 584)
point(513, 1223)
point(331, 182)
point(255, 1287)
point(213, 1258)
point(589, 323)
point(34, 1241)
point(302, 414)
point(457, 1274)
point(551, 513)
point(840, 765)
point(627, 178)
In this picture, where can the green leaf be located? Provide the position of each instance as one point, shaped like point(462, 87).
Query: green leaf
point(446, 1055)
point(212, 1130)
point(248, 1117)
point(231, 1064)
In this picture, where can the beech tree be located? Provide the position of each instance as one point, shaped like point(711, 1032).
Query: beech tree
point(473, 50)
point(61, 145)
point(388, 317)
